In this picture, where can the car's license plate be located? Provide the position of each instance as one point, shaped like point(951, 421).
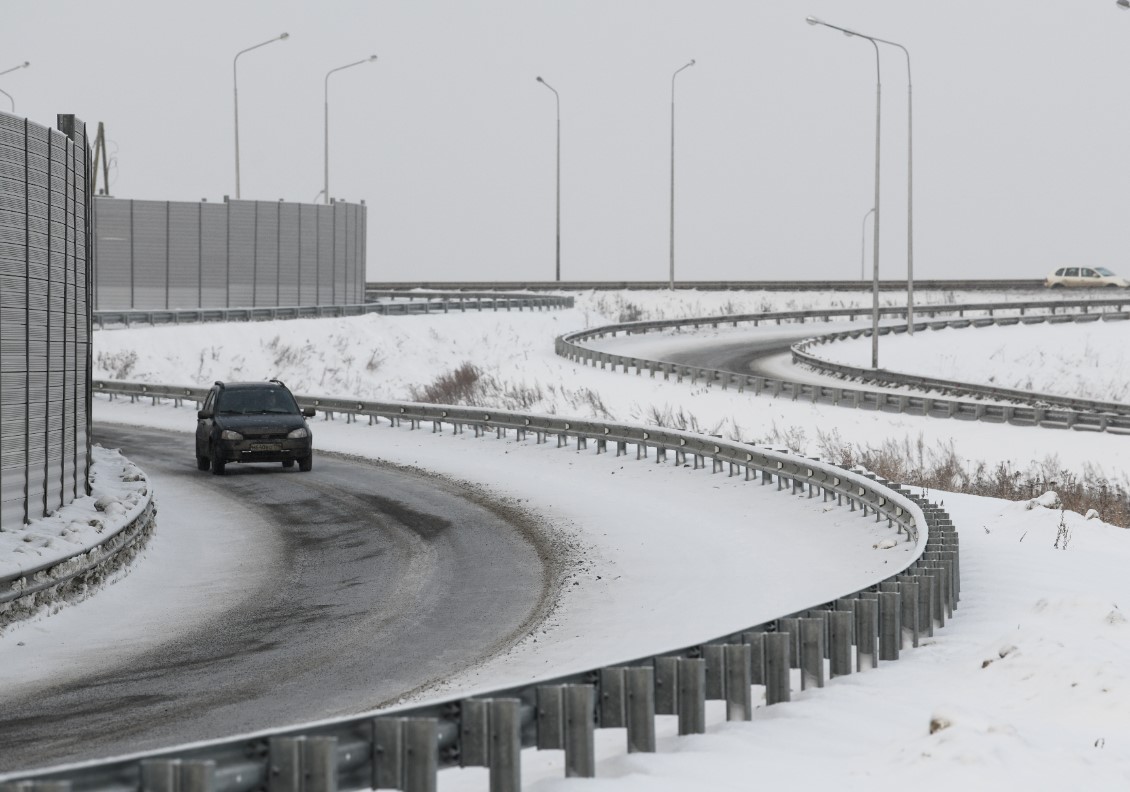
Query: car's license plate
point(266, 447)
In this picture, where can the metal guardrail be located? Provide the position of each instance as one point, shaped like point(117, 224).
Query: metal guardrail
point(724, 285)
point(402, 747)
point(801, 354)
point(417, 303)
point(570, 346)
point(21, 592)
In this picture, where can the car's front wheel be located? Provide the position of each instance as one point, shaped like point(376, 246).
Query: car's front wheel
point(203, 463)
point(218, 462)
point(306, 463)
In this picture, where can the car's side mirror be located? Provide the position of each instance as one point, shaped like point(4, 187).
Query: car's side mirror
point(308, 412)
point(202, 414)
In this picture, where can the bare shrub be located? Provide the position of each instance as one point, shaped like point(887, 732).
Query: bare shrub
point(669, 418)
point(119, 364)
point(940, 468)
point(630, 312)
point(455, 387)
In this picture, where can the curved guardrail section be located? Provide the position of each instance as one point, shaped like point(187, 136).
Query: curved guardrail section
point(402, 747)
point(802, 354)
point(570, 345)
point(25, 592)
point(415, 303)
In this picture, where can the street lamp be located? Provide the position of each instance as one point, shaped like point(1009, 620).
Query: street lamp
point(235, 91)
point(875, 239)
point(326, 183)
point(673, 76)
point(863, 244)
point(557, 96)
point(23, 65)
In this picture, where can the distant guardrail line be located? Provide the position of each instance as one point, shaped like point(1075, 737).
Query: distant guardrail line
point(403, 747)
point(416, 303)
point(801, 354)
point(570, 345)
point(716, 285)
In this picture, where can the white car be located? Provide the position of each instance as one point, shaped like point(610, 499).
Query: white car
point(1085, 277)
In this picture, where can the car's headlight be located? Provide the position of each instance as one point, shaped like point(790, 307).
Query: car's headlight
point(299, 432)
point(228, 434)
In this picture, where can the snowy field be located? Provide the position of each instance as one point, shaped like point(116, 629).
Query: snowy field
point(1026, 688)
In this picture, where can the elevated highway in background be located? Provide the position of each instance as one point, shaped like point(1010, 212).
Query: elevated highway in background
point(784, 285)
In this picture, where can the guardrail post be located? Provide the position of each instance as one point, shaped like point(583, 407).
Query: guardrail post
point(778, 647)
point(405, 754)
point(640, 708)
point(839, 642)
point(908, 610)
point(791, 628)
point(550, 717)
point(739, 698)
point(811, 653)
point(157, 775)
point(890, 625)
point(197, 776)
point(938, 593)
point(866, 631)
point(666, 685)
point(505, 745)
point(692, 695)
point(474, 728)
point(172, 775)
point(421, 754)
point(756, 643)
point(612, 696)
point(927, 592)
point(714, 656)
point(580, 751)
point(388, 753)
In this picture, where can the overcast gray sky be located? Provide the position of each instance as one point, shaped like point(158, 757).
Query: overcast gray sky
point(1021, 123)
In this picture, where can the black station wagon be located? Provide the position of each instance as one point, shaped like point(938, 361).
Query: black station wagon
point(252, 422)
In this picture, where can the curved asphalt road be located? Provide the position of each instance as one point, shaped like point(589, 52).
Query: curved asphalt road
point(738, 356)
point(382, 581)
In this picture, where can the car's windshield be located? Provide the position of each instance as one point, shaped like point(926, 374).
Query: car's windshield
point(256, 401)
point(1104, 272)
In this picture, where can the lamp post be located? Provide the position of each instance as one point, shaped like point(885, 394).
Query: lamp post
point(326, 183)
point(863, 244)
point(235, 92)
point(875, 239)
point(673, 76)
point(557, 96)
point(23, 65)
